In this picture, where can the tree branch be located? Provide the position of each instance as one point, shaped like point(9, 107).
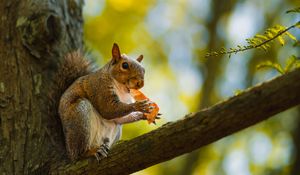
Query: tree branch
point(195, 130)
point(249, 47)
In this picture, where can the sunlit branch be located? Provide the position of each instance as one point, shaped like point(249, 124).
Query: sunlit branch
point(248, 47)
point(195, 130)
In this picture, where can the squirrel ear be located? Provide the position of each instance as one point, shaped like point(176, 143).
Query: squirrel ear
point(116, 53)
point(140, 58)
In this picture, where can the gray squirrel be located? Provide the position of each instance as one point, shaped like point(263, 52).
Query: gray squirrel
point(95, 105)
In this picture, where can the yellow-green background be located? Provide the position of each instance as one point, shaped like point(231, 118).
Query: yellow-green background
point(173, 36)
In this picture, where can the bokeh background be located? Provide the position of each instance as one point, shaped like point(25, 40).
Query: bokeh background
point(173, 36)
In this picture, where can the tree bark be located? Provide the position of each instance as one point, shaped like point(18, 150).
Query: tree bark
point(34, 34)
point(195, 130)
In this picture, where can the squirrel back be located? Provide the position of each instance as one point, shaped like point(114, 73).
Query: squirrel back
point(72, 66)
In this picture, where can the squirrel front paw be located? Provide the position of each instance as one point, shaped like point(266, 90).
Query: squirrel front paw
point(143, 106)
point(136, 116)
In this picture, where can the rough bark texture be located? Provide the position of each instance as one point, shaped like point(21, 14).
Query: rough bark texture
point(195, 130)
point(34, 34)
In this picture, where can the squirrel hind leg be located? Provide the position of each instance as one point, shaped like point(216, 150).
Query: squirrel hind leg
point(77, 132)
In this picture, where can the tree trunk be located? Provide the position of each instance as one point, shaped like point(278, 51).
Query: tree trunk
point(34, 36)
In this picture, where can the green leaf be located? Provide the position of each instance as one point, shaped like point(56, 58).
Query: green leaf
point(269, 64)
point(262, 37)
point(291, 36)
point(273, 30)
point(295, 10)
point(264, 47)
point(280, 27)
point(290, 63)
point(281, 40)
point(269, 34)
point(257, 41)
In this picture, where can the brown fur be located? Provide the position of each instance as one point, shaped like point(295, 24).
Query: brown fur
point(93, 99)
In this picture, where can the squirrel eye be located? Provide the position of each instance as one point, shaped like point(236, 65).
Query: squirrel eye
point(125, 65)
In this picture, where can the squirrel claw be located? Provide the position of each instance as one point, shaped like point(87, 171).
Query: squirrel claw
point(102, 152)
point(105, 146)
point(143, 106)
point(98, 157)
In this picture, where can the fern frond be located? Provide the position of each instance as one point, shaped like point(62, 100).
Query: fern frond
point(291, 63)
point(260, 41)
point(269, 64)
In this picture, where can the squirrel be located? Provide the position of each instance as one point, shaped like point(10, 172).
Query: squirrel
point(95, 104)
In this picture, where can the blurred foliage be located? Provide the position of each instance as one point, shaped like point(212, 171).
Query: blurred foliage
point(173, 36)
point(291, 63)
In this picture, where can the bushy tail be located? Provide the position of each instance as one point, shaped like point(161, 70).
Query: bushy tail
point(73, 66)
